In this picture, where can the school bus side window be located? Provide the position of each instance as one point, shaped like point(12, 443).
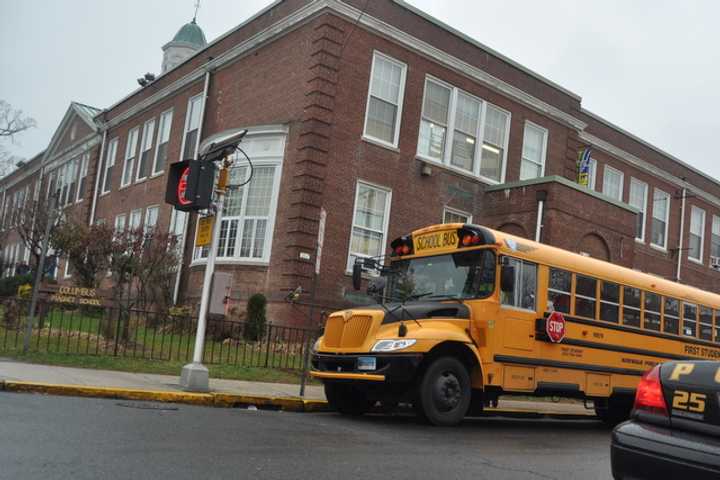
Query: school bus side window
point(524, 292)
point(631, 306)
point(585, 296)
point(559, 290)
point(706, 320)
point(652, 311)
point(610, 302)
point(671, 315)
point(689, 319)
point(717, 326)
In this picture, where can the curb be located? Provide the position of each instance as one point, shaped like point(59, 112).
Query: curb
point(229, 400)
point(222, 400)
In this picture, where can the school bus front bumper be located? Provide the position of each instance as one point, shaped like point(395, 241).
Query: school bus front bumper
point(391, 368)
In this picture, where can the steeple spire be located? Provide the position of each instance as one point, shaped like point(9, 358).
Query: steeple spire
point(197, 7)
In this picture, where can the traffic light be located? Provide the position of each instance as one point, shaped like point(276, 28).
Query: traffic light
point(190, 185)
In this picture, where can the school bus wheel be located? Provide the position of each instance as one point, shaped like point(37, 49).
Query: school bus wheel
point(346, 399)
point(444, 392)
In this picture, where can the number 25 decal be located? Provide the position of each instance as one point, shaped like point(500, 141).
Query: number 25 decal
point(692, 402)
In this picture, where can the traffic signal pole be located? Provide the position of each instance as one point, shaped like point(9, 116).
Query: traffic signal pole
point(195, 376)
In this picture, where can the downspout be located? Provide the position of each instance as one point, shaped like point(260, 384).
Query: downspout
point(98, 174)
point(682, 234)
point(541, 196)
point(176, 291)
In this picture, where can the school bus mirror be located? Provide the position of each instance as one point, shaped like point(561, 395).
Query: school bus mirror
point(357, 276)
point(507, 279)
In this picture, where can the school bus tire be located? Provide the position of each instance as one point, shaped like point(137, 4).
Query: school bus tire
point(347, 399)
point(444, 392)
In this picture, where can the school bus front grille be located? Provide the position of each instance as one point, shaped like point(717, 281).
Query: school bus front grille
point(347, 334)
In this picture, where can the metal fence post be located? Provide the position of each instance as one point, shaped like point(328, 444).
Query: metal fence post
point(267, 344)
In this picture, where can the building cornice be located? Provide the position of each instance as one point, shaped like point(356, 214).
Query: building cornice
point(312, 9)
point(647, 167)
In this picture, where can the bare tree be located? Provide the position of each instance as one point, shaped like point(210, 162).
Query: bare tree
point(31, 225)
point(13, 121)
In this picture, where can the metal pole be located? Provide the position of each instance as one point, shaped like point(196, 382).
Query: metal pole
point(306, 352)
point(195, 376)
point(39, 274)
point(682, 232)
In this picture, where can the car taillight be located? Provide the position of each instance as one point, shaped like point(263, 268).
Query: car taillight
point(649, 395)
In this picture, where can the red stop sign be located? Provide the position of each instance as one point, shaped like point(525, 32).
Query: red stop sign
point(555, 327)
point(182, 187)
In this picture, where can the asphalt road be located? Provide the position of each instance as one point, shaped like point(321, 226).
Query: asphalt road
point(60, 437)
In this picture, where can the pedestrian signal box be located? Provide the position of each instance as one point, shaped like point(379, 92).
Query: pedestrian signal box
point(190, 185)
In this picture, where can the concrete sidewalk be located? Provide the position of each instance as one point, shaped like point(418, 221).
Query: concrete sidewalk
point(27, 377)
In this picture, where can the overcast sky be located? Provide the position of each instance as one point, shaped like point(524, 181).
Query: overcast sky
point(649, 66)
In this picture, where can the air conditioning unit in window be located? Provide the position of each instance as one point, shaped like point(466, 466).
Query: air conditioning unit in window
point(715, 262)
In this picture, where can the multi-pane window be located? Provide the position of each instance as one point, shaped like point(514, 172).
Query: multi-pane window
point(533, 152)
point(384, 106)
point(715, 240)
point(585, 295)
point(697, 234)
point(370, 222)
point(525, 292)
point(151, 218)
point(71, 180)
point(451, 215)
point(135, 220)
point(192, 127)
point(638, 199)
point(652, 311)
point(452, 128)
point(671, 315)
point(559, 289)
point(660, 214)
point(612, 183)
point(163, 141)
point(109, 164)
point(610, 302)
point(130, 154)
point(120, 222)
point(706, 323)
point(146, 149)
point(82, 177)
point(689, 319)
point(592, 174)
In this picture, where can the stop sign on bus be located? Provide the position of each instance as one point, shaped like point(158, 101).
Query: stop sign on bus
point(555, 327)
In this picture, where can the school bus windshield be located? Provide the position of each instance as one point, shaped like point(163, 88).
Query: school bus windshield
point(459, 275)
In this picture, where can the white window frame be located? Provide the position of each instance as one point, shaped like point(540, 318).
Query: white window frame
point(401, 97)
point(188, 113)
point(110, 156)
point(386, 219)
point(456, 211)
point(714, 232)
point(592, 174)
point(82, 174)
point(66, 273)
point(275, 159)
point(120, 223)
point(608, 169)
point(151, 123)
point(134, 132)
point(165, 117)
point(479, 137)
point(146, 227)
point(694, 209)
point(543, 159)
point(656, 194)
point(635, 181)
point(131, 224)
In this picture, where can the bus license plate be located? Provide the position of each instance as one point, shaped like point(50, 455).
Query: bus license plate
point(436, 241)
point(366, 363)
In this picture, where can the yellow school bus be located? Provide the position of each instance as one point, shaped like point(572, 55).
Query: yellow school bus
point(465, 314)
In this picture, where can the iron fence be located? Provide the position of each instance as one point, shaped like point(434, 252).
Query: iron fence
point(139, 334)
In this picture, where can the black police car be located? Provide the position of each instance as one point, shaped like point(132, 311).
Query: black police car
point(674, 430)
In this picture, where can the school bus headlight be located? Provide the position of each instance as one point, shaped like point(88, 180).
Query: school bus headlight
point(316, 346)
point(392, 345)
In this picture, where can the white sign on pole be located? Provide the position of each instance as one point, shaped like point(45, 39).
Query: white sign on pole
point(321, 238)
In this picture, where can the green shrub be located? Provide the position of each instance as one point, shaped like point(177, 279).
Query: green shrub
point(256, 317)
